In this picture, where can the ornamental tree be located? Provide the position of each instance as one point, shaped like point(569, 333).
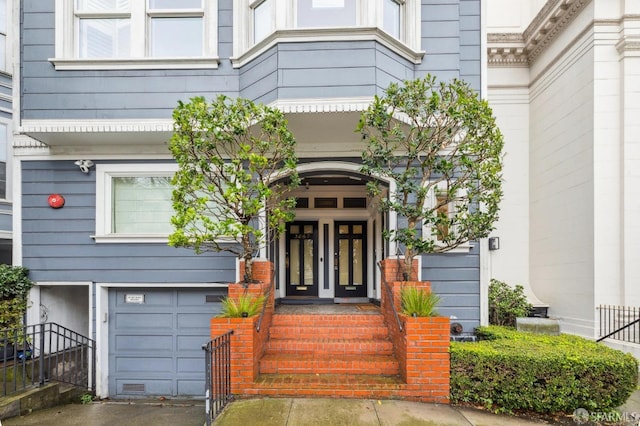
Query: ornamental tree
point(237, 163)
point(440, 145)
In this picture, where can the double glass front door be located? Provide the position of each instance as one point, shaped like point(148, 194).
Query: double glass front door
point(303, 256)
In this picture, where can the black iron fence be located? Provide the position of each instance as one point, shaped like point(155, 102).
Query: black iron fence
point(619, 323)
point(36, 354)
point(218, 371)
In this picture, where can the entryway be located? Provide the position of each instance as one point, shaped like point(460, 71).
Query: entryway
point(343, 259)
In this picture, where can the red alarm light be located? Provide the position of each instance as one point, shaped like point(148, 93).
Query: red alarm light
point(56, 201)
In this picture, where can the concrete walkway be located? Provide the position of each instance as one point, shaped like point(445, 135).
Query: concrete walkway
point(339, 412)
point(283, 412)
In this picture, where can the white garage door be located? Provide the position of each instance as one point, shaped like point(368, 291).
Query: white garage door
point(156, 338)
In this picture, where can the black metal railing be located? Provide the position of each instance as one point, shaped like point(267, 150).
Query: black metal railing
point(218, 371)
point(619, 323)
point(36, 354)
point(385, 284)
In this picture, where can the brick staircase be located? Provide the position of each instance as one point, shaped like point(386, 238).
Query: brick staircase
point(337, 355)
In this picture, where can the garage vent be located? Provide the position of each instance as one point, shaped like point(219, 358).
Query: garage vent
point(133, 387)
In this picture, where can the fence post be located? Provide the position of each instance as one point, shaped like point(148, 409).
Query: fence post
point(41, 366)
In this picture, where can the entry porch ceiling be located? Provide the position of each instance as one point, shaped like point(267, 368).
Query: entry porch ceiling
point(318, 134)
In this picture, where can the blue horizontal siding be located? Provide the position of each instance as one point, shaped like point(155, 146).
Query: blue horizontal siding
point(58, 243)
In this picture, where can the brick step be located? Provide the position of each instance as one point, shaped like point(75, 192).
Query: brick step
point(330, 346)
point(344, 331)
point(327, 320)
point(385, 365)
point(329, 385)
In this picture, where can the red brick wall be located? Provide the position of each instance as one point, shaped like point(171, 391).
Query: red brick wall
point(247, 343)
point(422, 347)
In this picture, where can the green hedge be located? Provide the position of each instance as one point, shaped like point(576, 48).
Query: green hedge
point(511, 371)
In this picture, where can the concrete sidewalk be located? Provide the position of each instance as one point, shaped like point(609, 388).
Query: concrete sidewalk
point(338, 412)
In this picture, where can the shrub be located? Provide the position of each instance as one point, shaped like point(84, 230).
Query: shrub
point(244, 306)
point(418, 302)
point(547, 374)
point(14, 288)
point(506, 303)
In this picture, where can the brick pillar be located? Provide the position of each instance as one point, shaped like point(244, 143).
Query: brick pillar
point(247, 342)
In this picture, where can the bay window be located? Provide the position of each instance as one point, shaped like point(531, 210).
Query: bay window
point(258, 24)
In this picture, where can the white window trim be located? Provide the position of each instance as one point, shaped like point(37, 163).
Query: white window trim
point(9, 160)
point(8, 48)
point(104, 175)
point(427, 230)
point(369, 27)
point(65, 42)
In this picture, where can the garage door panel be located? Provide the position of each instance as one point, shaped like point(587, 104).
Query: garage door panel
point(149, 387)
point(156, 349)
point(190, 387)
point(151, 298)
point(191, 364)
point(143, 320)
point(142, 343)
point(194, 320)
point(145, 364)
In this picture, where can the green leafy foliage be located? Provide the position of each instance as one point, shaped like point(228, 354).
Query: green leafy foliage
point(432, 138)
point(418, 302)
point(244, 306)
point(547, 374)
point(14, 289)
point(237, 163)
point(506, 303)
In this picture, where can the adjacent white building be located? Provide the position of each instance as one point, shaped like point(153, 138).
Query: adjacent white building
point(564, 82)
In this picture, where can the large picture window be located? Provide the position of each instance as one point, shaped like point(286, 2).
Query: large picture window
point(135, 33)
point(133, 202)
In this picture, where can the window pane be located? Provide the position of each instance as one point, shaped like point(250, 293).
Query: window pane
point(3, 52)
point(103, 5)
point(391, 18)
point(175, 4)
point(262, 21)
point(326, 13)
point(141, 205)
point(294, 263)
point(104, 38)
point(3, 16)
point(309, 278)
point(172, 37)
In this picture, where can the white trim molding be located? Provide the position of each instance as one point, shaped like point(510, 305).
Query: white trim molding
point(326, 105)
point(328, 34)
point(508, 49)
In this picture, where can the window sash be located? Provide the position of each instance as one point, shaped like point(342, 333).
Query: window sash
point(141, 205)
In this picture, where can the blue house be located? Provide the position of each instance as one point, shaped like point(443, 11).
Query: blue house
point(97, 82)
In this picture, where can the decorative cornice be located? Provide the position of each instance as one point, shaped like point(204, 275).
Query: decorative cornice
point(326, 105)
point(95, 126)
point(554, 17)
point(629, 46)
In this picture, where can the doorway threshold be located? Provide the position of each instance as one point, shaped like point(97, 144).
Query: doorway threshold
point(303, 300)
point(356, 300)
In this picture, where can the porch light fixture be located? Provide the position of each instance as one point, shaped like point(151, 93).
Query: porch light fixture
point(84, 165)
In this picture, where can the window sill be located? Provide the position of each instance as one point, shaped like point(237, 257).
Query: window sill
point(129, 239)
point(62, 64)
point(328, 34)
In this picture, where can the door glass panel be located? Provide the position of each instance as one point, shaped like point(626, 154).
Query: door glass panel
point(357, 229)
point(343, 229)
point(357, 262)
point(308, 229)
point(295, 229)
point(309, 279)
point(343, 262)
point(294, 262)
